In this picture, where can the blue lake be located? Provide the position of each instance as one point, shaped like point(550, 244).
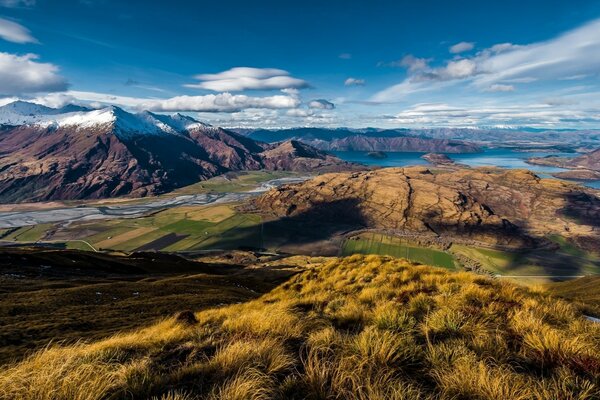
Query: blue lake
point(504, 158)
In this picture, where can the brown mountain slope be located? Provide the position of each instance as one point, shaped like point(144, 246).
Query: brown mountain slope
point(493, 206)
point(56, 163)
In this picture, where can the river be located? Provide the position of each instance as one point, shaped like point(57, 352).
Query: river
point(87, 213)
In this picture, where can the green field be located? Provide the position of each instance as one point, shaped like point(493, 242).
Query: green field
point(567, 261)
point(185, 228)
point(374, 243)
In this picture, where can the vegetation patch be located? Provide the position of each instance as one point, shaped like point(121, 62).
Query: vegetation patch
point(375, 243)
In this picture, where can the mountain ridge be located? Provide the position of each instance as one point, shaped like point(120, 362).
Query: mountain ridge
point(111, 152)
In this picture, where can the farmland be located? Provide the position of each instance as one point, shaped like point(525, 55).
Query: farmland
point(375, 243)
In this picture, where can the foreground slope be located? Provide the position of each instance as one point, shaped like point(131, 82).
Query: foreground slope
point(49, 154)
point(355, 328)
point(65, 295)
point(585, 291)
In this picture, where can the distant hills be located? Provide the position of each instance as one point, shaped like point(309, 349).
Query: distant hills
point(79, 153)
point(427, 140)
point(344, 139)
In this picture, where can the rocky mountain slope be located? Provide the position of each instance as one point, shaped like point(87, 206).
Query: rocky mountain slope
point(361, 140)
point(50, 154)
point(511, 208)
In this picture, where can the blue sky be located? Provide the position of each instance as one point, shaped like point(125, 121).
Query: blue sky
point(311, 63)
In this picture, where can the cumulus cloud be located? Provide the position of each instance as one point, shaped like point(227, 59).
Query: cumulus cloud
point(24, 74)
point(354, 82)
point(321, 104)
point(461, 47)
point(574, 54)
point(246, 78)
point(14, 32)
point(222, 102)
point(17, 3)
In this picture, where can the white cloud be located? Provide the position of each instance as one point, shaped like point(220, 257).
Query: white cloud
point(246, 78)
point(497, 87)
point(17, 3)
point(14, 32)
point(23, 74)
point(222, 102)
point(536, 115)
point(321, 104)
point(573, 55)
point(345, 56)
point(299, 112)
point(461, 47)
point(354, 82)
point(413, 63)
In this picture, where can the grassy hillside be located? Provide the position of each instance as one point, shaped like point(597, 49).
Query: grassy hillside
point(64, 296)
point(584, 291)
point(359, 328)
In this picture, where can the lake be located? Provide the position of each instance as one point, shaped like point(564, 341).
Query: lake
point(504, 158)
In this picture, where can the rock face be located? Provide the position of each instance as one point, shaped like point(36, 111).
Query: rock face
point(508, 208)
point(373, 141)
point(110, 152)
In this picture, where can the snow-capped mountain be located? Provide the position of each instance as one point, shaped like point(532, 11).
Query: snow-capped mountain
point(124, 123)
point(77, 153)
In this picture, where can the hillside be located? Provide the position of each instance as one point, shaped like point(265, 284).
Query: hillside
point(49, 154)
point(353, 328)
point(585, 291)
point(583, 167)
point(500, 207)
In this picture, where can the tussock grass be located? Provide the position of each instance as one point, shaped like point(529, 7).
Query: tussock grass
point(361, 327)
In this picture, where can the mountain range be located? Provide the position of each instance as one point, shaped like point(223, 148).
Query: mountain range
point(79, 153)
point(345, 139)
point(428, 140)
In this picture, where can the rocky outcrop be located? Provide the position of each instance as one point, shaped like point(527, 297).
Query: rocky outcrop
point(509, 208)
point(437, 159)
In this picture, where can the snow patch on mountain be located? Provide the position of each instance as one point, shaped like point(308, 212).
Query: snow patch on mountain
point(125, 124)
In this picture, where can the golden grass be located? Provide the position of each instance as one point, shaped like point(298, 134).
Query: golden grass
point(354, 328)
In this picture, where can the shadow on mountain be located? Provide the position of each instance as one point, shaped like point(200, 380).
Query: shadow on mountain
point(582, 207)
point(321, 222)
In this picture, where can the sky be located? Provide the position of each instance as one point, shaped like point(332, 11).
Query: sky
point(332, 63)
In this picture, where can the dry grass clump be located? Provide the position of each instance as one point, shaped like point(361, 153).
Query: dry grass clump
point(355, 328)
